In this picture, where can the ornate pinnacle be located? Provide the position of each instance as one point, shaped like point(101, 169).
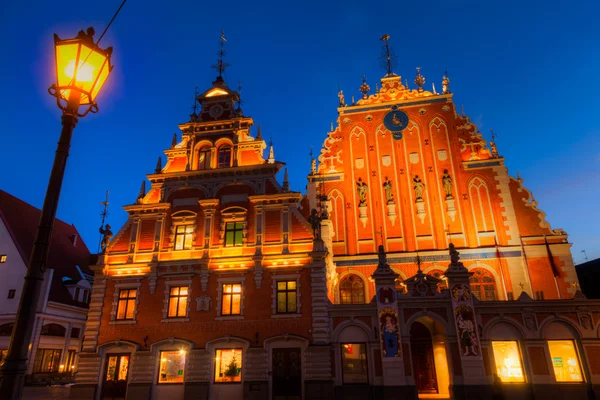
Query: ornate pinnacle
point(194, 114)
point(364, 88)
point(419, 80)
point(387, 55)
point(286, 182)
point(142, 193)
point(493, 144)
point(158, 168)
point(258, 133)
point(271, 159)
point(174, 140)
point(221, 66)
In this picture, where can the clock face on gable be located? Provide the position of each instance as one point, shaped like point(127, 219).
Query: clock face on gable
point(395, 120)
point(216, 111)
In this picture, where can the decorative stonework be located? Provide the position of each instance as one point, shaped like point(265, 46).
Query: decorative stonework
point(203, 303)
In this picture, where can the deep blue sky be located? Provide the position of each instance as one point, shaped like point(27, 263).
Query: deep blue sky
point(529, 70)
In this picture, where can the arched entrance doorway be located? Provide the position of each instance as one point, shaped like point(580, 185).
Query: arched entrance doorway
point(421, 349)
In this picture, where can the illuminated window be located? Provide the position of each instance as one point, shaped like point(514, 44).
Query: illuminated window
point(224, 156)
point(231, 300)
point(126, 305)
point(172, 366)
point(178, 299)
point(483, 285)
point(352, 290)
point(117, 368)
point(70, 364)
point(234, 233)
point(354, 363)
point(204, 158)
point(3, 354)
point(565, 361)
point(228, 365)
point(46, 360)
point(2, 258)
point(508, 361)
point(286, 297)
point(183, 237)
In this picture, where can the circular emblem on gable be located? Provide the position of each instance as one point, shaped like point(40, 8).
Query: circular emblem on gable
point(395, 121)
point(216, 111)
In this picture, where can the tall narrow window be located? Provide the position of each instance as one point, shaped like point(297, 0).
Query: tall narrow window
point(70, 365)
point(231, 301)
point(224, 156)
point(352, 290)
point(183, 237)
point(354, 363)
point(178, 299)
point(234, 234)
point(483, 285)
point(286, 297)
point(204, 158)
point(565, 361)
point(46, 360)
point(126, 306)
point(508, 361)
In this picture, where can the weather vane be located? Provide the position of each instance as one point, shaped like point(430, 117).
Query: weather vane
point(239, 101)
point(387, 55)
point(103, 214)
point(221, 66)
point(195, 106)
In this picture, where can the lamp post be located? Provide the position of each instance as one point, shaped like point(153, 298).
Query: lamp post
point(81, 70)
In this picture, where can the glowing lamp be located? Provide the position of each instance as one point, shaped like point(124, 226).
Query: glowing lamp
point(81, 70)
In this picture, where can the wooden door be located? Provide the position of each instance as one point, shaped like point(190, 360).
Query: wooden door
point(115, 376)
point(421, 348)
point(287, 374)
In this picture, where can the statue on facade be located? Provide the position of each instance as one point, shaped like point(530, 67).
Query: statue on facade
point(315, 222)
point(106, 237)
point(419, 186)
point(445, 83)
point(362, 190)
point(387, 187)
point(447, 183)
point(341, 97)
point(454, 255)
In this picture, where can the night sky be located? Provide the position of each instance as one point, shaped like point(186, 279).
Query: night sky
point(529, 70)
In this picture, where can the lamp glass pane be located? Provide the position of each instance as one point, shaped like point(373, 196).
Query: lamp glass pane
point(101, 79)
point(66, 55)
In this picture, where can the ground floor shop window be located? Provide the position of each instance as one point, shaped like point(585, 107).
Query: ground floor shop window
point(46, 360)
point(565, 361)
point(172, 366)
point(354, 363)
point(70, 361)
point(508, 361)
point(228, 365)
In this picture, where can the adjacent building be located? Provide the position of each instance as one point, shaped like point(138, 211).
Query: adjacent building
point(63, 305)
point(225, 284)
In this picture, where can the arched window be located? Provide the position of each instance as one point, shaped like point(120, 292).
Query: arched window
point(483, 285)
point(352, 290)
point(6, 329)
point(224, 156)
point(53, 330)
point(204, 158)
point(439, 274)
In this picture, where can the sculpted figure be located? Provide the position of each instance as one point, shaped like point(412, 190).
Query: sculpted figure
point(447, 182)
point(445, 84)
point(107, 236)
point(362, 190)
point(419, 186)
point(315, 222)
point(387, 187)
point(341, 97)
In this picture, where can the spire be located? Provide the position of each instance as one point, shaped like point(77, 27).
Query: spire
point(313, 162)
point(238, 110)
point(258, 133)
point(142, 193)
point(174, 140)
point(419, 80)
point(158, 168)
point(493, 145)
point(286, 182)
point(194, 114)
point(271, 159)
point(221, 66)
point(388, 59)
point(364, 88)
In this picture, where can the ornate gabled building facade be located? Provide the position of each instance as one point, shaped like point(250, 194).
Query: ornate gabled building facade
point(223, 283)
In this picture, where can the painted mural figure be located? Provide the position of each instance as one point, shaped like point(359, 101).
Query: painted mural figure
point(387, 187)
point(466, 331)
point(107, 236)
point(419, 186)
point(362, 190)
point(447, 183)
point(389, 328)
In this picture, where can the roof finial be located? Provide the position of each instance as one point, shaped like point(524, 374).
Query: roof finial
point(445, 83)
point(271, 159)
point(194, 113)
point(142, 193)
point(158, 168)
point(238, 110)
point(286, 182)
point(433, 88)
point(406, 84)
point(493, 144)
point(352, 99)
point(258, 133)
point(418, 262)
point(387, 55)
point(376, 87)
point(221, 66)
point(174, 140)
point(313, 162)
point(462, 108)
point(364, 88)
point(103, 215)
point(331, 129)
point(419, 80)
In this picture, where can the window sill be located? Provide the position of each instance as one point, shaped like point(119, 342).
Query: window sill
point(181, 319)
point(123, 322)
point(229, 317)
point(288, 315)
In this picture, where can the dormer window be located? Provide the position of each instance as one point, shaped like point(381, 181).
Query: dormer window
point(234, 227)
point(183, 230)
point(224, 156)
point(204, 158)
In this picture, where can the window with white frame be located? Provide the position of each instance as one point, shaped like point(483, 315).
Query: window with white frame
point(231, 299)
point(178, 302)
point(286, 296)
point(126, 299)
point(183, 230)
point(183, 237)
point(234, 227)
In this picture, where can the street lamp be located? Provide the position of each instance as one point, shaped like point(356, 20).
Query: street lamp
point(81, 70)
